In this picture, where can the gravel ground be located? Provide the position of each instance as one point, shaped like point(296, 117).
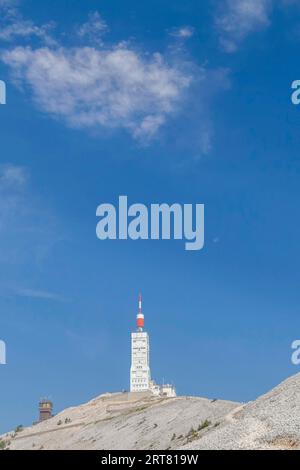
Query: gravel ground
point(270, 422)
point(136, 421)
point(110, 423)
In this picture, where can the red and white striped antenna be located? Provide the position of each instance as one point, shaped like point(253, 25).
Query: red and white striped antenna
point(140, 316)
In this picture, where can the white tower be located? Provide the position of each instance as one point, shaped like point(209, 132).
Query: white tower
point(140, 370)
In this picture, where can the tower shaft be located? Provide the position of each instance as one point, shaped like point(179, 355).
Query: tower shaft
point(140, 376)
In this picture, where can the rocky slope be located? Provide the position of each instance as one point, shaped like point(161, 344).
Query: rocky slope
point(270, 422)
point(141, 421)
point(123, 421)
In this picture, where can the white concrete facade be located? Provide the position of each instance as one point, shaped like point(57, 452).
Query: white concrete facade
point(167, 390)
point(140, 376)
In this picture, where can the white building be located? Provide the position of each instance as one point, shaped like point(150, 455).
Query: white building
point(167, 390)
point(140, 369)
point(140, 376)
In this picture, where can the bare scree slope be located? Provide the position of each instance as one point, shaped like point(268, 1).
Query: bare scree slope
point(141, 421)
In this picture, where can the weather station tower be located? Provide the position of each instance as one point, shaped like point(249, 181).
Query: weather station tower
point(140, 377)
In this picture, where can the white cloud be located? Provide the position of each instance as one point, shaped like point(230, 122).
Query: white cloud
point(39, 294)
point(101, 86)
point(13, 188)
point(113, 87)
point(238, 18)
point(94, 28)
point(13, 183)
point(13, 25)
point(25, 28)
point(12, 176)
point(183, 32)
point(105, 86)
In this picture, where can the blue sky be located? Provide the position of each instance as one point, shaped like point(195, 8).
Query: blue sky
point(164, 102)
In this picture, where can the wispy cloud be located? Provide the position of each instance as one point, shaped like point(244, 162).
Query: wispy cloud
point(197, 126)
point(115, 87)
point(94, 85)
point(12, 176)
point(8, 4)
point(94, 29)
point(13, 183)
point(13, 25)
point(27, 228)
point(184, 32)
point(40, 294)
point(97, 85)
point(236, 19)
